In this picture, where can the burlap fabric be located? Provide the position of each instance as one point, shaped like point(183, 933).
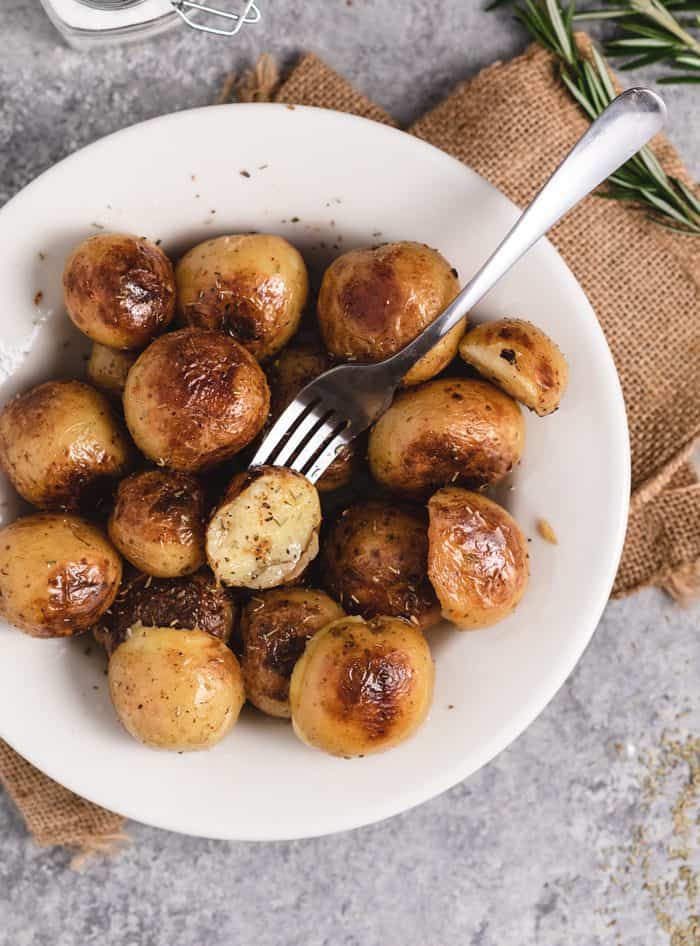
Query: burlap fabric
point(513, 123)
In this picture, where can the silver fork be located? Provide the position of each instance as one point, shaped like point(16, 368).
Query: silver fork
point(333, 409)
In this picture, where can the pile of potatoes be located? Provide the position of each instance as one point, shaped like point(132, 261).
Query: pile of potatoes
point(200, 575)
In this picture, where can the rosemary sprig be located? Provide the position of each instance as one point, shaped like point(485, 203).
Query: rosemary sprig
point(641, 181)
point(655, 31)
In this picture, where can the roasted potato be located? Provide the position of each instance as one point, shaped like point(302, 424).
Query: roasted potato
point(182, 603)
point(265, 530)
point(119, 290)
point(108, 367)
point(477, 558)
point(58, 574)
point(292, 370)
point(173, 689)
point(361, 687)
point(374, 560)
point(275, 627)
point(520, 359)
point(194, 399)
point(451, 430)
point(58, 440)
point(158, 523)
point(254, 287)
point(374, 301)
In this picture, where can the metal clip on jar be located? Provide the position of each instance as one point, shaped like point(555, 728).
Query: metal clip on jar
point(85, 23)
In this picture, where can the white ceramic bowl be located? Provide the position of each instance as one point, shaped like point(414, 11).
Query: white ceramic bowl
point(349, 182)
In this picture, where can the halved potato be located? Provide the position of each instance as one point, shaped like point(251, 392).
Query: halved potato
point(108, 367)
point(252, 286)
point(519, 358)
point(374, 301)
point(292, 370)
point(119, 289)
point(60, 439)
point(374, 560)
point(265, 531)
point(275, 626)
point(196, 601)
point(157, 522)
point(179, 690)
point(58, 574)
point(477, 558)
point(451, 430)
point(194, 399)
point(362, 687)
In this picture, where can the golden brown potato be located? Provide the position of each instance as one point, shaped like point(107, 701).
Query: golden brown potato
point(264, 532)
point(362, 687)
point(374, 560)
point(58, 574)
point(158, 523)
point(179, 690)
point(275, 627)
point(182, 603)
point(194, 399)
point(374, 301)
point(477, 558)
point(254, 287)
point(292, 370)
point(520, 359)
point(58, 440)
point(119, 289)
point(451, 430)
point(108, 367)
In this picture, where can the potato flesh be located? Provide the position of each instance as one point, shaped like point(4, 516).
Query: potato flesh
point(519, 358)
point(179, 690)
point(266, 535)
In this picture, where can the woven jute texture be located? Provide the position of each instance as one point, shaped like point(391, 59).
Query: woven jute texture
point(513, 123)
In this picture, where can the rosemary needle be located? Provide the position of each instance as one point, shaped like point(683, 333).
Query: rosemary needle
point(641, 181)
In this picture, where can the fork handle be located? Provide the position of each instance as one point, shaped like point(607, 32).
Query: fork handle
point(621, 130)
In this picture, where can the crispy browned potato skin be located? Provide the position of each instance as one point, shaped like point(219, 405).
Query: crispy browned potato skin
point(275, 627)
point(374, 560)
point(158, 523)
point(179, 690)
point(108, 368)
point(58, 574)
point(374, 301)
point(195, 601)
point(194, 399)
point(292, 370)
point(477, 558)
point(119, 290)
point(519, 358)
point(264, 532)
point(252, 286)
point(362, 687)
point(450, 430)
point(58, 439)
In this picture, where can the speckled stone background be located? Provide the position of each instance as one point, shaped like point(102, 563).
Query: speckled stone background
point(571, 834)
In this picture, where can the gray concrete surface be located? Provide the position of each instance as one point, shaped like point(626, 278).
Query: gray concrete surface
point(574, 835)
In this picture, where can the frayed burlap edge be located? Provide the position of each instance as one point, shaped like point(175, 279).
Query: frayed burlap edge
point(53, 815)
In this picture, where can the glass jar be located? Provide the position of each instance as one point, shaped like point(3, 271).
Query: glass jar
point(89, 23)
